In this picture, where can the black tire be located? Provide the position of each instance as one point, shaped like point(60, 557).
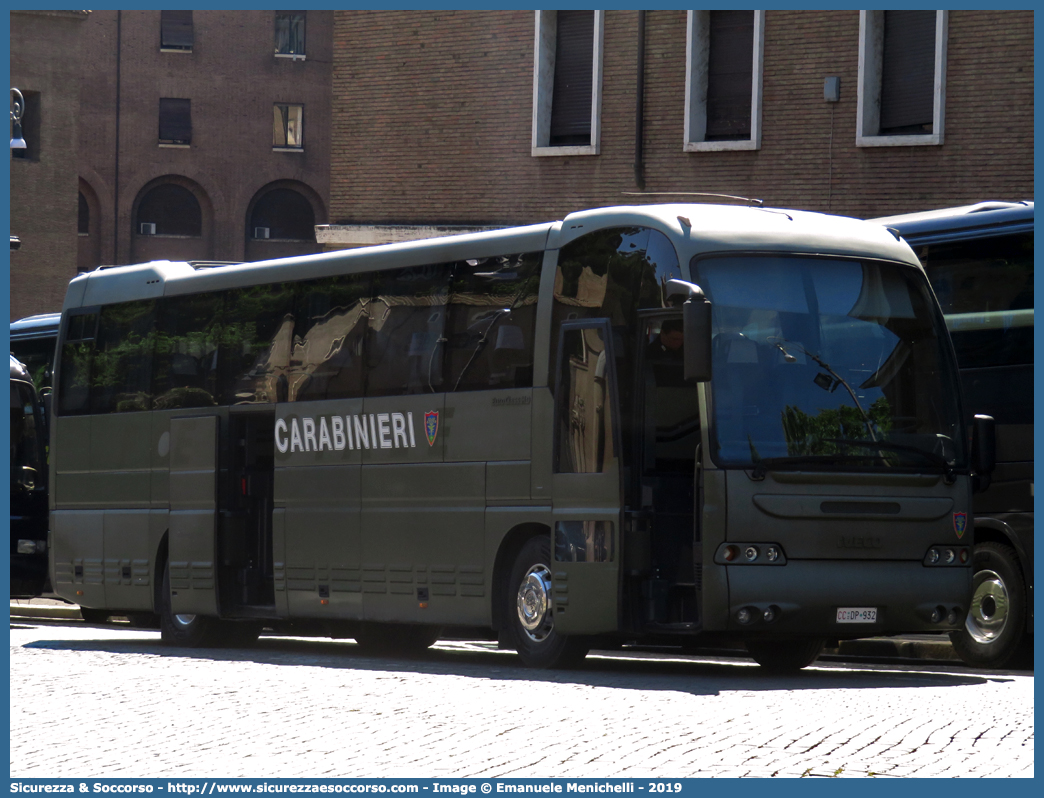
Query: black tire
point(529, 613)
point(785, 656)
point(396, 639)
point(188, 631)
point(94, 616)
point(995, 626)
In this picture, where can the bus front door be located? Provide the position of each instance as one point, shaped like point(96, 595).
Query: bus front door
point(586, 483)
point(193, 515)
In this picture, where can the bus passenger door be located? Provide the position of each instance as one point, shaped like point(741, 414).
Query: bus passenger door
point(193, 515)
point(586, 483)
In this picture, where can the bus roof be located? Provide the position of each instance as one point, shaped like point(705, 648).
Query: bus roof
point(43, 326)
point(693, 228)
point(982, 220)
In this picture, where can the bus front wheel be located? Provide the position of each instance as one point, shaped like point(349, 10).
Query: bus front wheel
point(993, 630)
point(785, 656)
point(199, 631)
point(530, 612)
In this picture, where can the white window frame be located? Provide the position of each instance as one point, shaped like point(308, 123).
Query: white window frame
point(697, 52)
point(544, 81)
point(868, 107)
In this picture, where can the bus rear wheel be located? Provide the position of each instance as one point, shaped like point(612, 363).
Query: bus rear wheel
point(396, 639)
point(993, 629)
point(530, 614)
point(785, 656)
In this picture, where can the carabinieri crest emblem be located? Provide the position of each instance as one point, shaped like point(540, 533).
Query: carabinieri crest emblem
point(431, 426)
point(960, 523)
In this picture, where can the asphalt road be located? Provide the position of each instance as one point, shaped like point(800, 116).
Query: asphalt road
point(103, 701)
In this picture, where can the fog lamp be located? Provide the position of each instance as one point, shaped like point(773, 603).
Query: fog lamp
point(751, 553)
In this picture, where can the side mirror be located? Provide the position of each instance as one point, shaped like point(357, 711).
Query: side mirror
point(984, 450)
point(696, 321)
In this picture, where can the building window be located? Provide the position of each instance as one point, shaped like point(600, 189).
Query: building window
point(176, 31)
point(902, 78)
point(175, 121)
point(283, 214)
point(290, 34)
point(567, 82)
point(83, 221)
point(287, 131)
point(169, 210)
point(723, 80)
point(30, 128)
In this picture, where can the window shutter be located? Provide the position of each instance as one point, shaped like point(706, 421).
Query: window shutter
point(908, 72)
point(175, 121)
point(571, 96)
point(176, 29)
point(729, 75)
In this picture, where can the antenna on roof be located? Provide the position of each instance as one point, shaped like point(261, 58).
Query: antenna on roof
point(754, 203)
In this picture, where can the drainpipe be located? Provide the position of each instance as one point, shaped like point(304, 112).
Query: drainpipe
point(116, 169)
point(639, 106)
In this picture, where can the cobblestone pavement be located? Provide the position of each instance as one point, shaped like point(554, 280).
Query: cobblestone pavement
point(109, 702)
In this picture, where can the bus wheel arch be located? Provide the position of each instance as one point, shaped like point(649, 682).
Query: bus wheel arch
point(994, 628)
point(528, 613)
point(510, 546)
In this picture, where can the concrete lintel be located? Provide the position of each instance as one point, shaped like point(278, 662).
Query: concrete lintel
point(356, 235)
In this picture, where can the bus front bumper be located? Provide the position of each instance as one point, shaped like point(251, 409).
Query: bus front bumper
point(847, 599)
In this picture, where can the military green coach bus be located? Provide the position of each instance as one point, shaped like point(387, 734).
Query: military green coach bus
point(636, 424)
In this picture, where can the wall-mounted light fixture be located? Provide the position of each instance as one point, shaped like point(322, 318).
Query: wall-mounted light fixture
point(17, 109)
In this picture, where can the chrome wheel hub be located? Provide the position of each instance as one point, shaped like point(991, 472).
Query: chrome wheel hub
point(184, 620)
point(989, 607)
point(534, 603)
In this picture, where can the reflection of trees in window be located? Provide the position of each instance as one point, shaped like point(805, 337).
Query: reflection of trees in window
point(823, 433)
point(286, 214)
point(173, 209)
point(186, 359)
point(120, 376)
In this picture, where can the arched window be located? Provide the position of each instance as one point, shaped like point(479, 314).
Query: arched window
point(283, 213)
point(83, 224)
point(169, 210)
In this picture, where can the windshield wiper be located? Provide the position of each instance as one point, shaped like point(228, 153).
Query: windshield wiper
point(931, 457)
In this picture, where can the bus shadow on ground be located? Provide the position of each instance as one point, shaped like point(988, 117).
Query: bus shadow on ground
point(694, 674)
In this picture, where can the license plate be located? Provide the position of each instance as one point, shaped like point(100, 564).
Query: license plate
point(857, 614)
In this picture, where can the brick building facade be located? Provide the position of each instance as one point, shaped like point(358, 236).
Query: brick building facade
point(434, 118)
point(45, 63)
point(198, 135)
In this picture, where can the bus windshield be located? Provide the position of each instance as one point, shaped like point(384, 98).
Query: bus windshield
point(823, 362)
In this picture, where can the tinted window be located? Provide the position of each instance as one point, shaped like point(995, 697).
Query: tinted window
point(256, 335)
point(585, 439)
point(492, 315)
point(120, 373)
point(407, 317)
point(74, 389)
point(186, 367)
point(611, 274)
point(985, 288)
point(326, 358)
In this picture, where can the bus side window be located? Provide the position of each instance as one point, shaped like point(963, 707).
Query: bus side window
point(120, 380)
point(326, 359)
point(186, 359)
point(74, 396)
point(255, 350)
point(492, 314)
point(406, 323)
